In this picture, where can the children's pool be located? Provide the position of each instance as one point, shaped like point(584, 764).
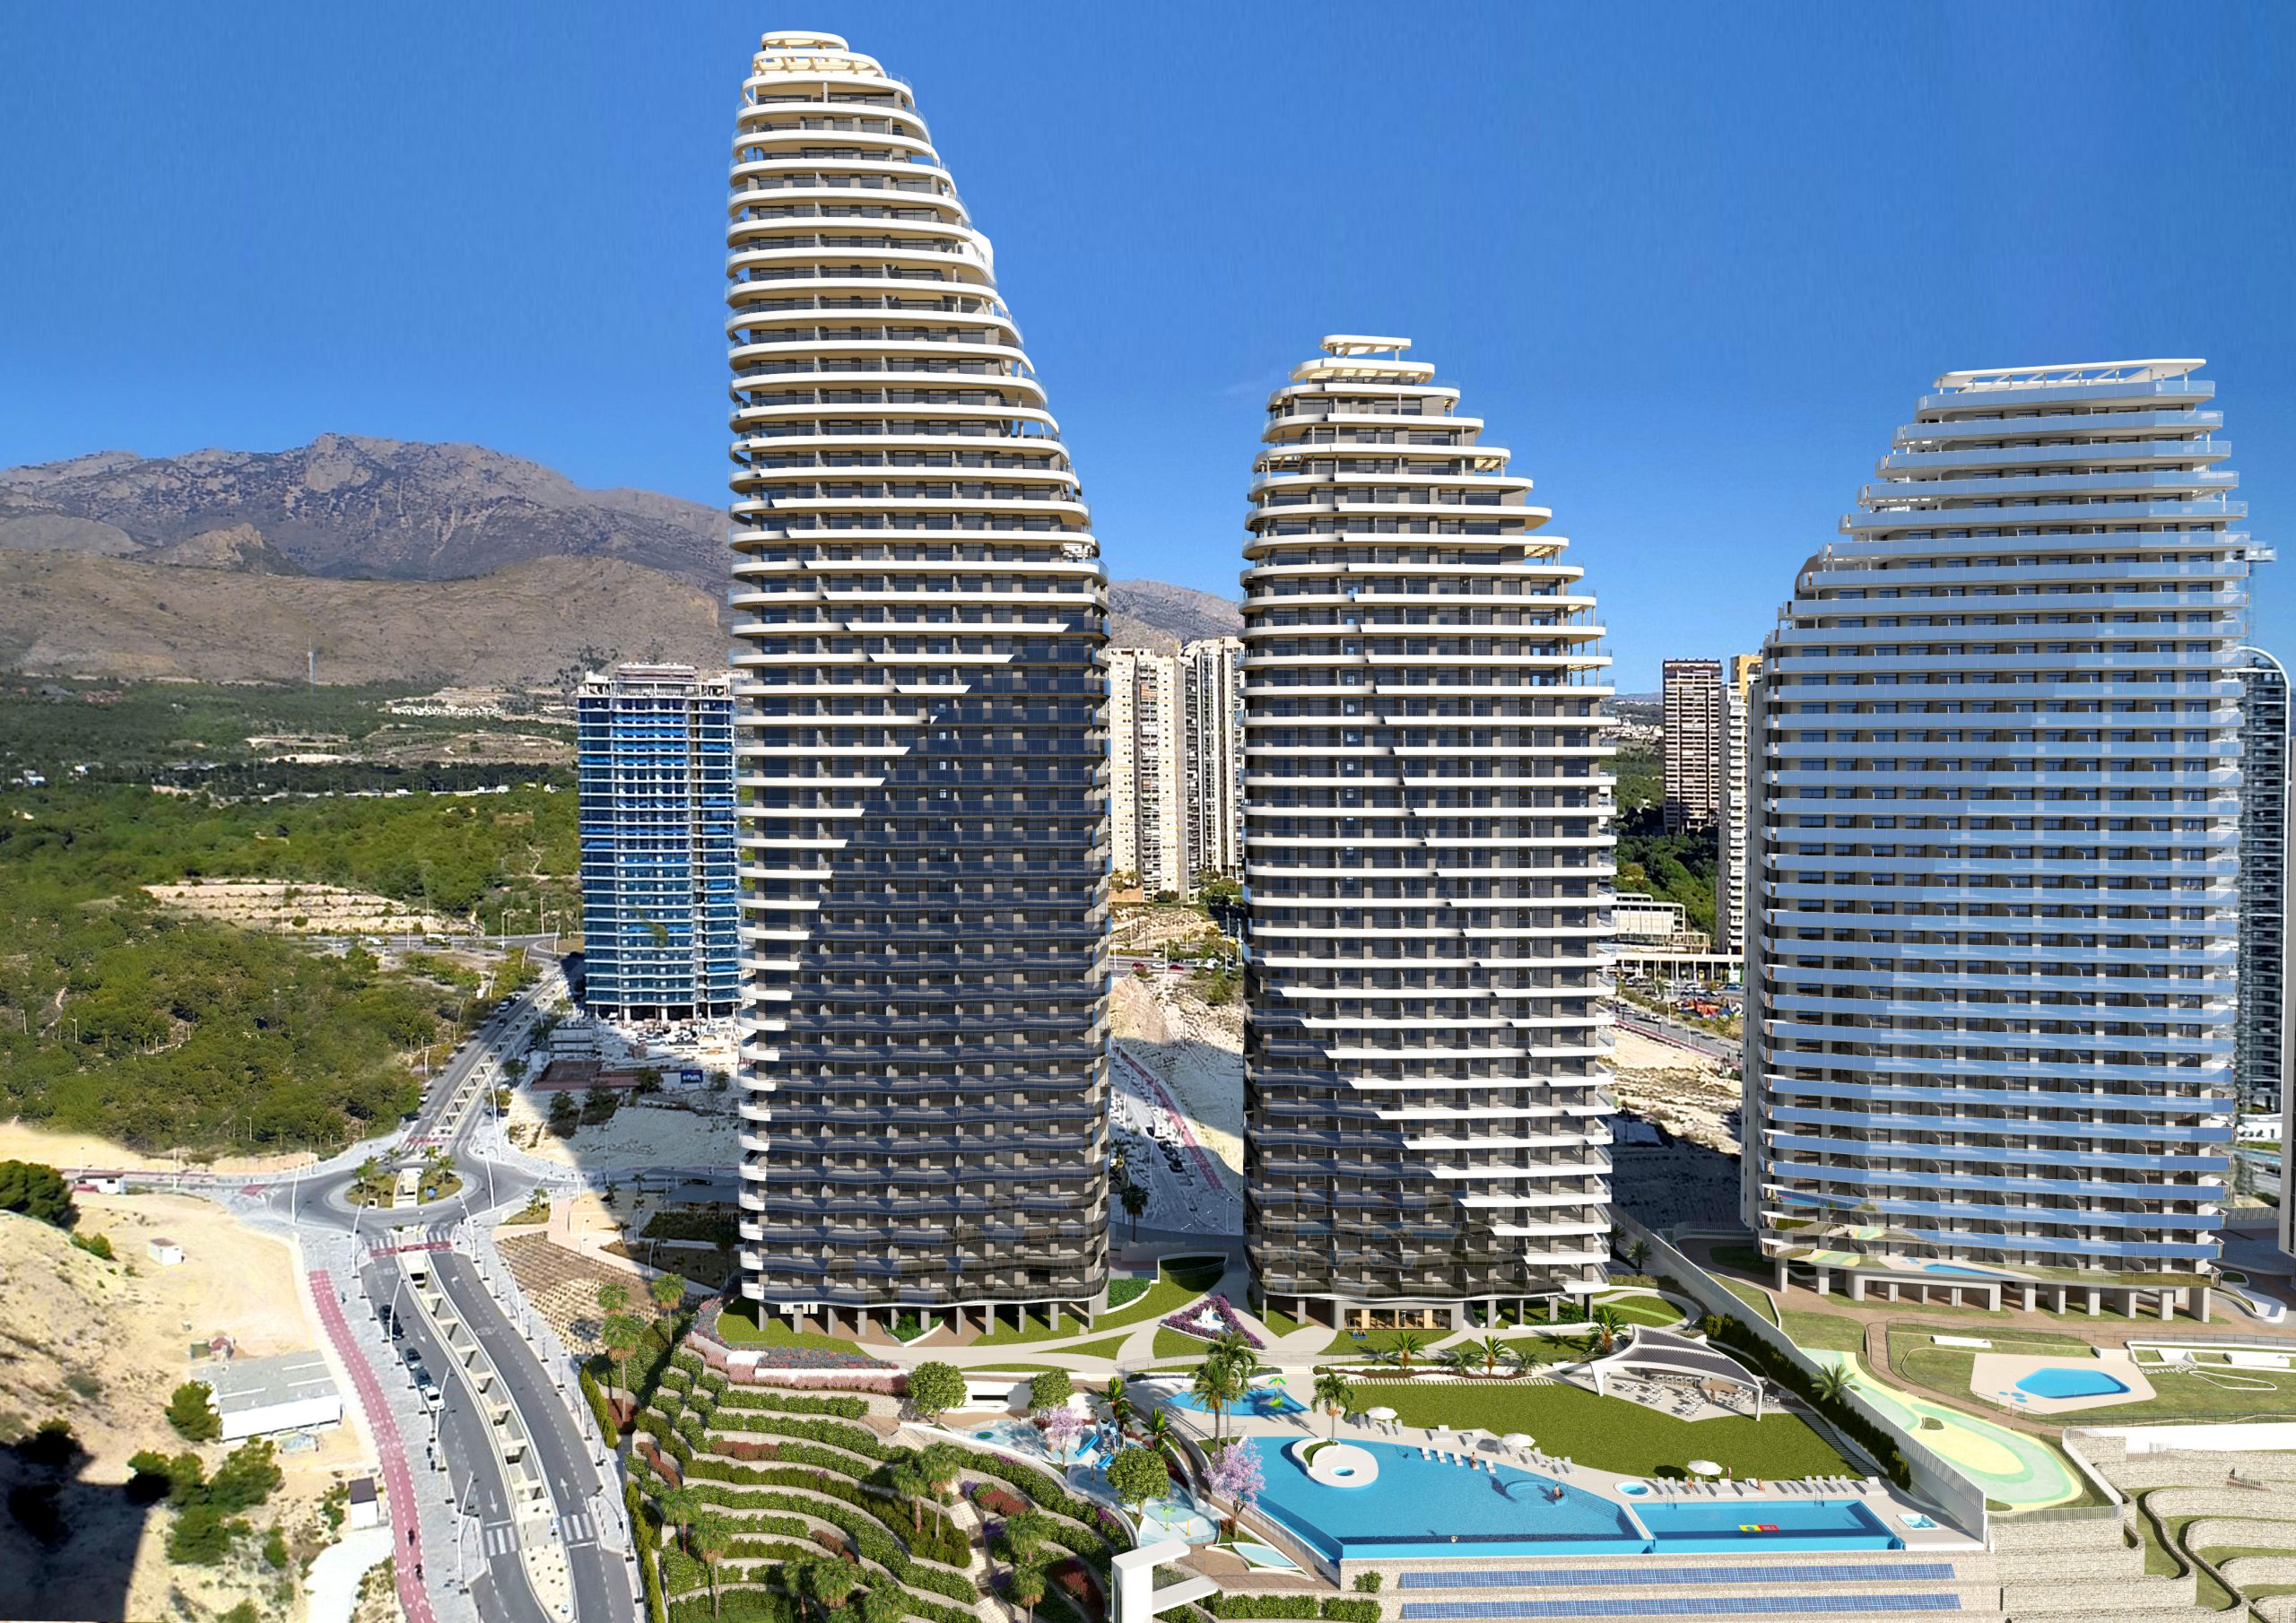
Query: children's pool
point(1266, 1401)
point(1421, 1507)
point(2058, 1382)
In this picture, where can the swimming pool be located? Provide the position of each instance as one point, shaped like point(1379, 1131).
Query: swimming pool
point(1266, 1401)
point(1974, 1274)
point(2058, 1381)
point(1424, 1507)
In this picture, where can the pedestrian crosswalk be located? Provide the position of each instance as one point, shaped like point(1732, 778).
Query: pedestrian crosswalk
point(499, 1538)
point(576, 1529)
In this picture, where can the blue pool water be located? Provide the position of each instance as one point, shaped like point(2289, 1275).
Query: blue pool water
point(1974, 1274)
point(1424, 1507)
point(2061, 1383)
point(1262, 1401)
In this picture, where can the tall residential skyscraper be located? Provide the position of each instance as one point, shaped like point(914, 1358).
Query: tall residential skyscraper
point(1429, 863)
point(1146, 794)
point(924, 817)
point(2260, 1042)
point(1990, 988)
point(1730, 834)
point(654, 772)
point(1690, 695)
point(1212, 754)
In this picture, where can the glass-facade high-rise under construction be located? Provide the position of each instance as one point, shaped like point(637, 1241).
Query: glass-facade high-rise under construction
point(1428, 864)
point(921, 614)
point(1993, 928)
point(653, 773)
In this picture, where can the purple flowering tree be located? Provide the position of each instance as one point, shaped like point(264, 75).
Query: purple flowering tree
point(1235, 1477)
point(1064, 1428)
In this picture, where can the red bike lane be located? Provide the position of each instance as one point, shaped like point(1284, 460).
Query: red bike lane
point(1179, 1119)
point(397, 1479)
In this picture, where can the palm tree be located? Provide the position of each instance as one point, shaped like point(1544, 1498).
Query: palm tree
point(1215, 1385)
point(1638, 1253)
point(831, 1582)
point(621, 1333)
point(1405, 1345)
point(1025, 1533)
point(1162, 1434)
point(710, 1536)
point(1335, 1395)
point(882, 1604)
point(1459, 1360)
point(1492, 1350)
point(613, 1296)
point(1119, 1406)
point(668, 1292)
point(1833, 1382)
point(678, 1505)
point(1607, 1324)
point(1517, 1359)
point(1135, 1201)
point(907, 1479)
point(941, 1462)
point(1026, 1585)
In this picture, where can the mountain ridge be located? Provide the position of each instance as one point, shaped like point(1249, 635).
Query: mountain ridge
point(84, 538)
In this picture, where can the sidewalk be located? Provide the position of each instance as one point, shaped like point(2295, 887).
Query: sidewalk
point(390, 1449)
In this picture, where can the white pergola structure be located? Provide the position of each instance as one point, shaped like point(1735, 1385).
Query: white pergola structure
point(1666, 1352)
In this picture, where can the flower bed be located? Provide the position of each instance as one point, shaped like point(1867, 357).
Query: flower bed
point(996, 1501)
point(1189, 1321)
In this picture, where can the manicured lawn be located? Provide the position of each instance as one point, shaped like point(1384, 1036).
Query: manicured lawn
point(1824, 1332)
point(1758, 1300)
point(1105, 1347)
point(1379, 1341)
point(737, 1327)
point(2181, 1395)
point(1282, 1323)
point(1643, 1310)
point(1175, 1344)
point(1609, 1432)
point(1197, 1277)
point(1171, 1292)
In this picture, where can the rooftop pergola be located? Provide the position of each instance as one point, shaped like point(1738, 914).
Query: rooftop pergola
point(1667, 1352)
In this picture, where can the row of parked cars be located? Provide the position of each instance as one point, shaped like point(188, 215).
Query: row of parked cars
point(425, 1387)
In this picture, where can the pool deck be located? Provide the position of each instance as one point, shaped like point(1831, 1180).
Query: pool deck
point(1994, 1376)
point(1884, 1501)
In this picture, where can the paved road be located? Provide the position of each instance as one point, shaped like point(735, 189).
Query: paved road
point(1675, 1034)
point(499, 1587)
point(408, 1567)
point(601, 1581)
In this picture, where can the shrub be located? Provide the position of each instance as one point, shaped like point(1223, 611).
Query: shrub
point(1121, 1291)
point(788, 1402)
point(1050, 1390)
point(247, 1476)
point(193, 1415)
point(1332, 1608)
point(1367, 1582)
point(37, 1192)
point(201, 1537)
point(94, 1245)
point(935, 1389)
point(275, 1551)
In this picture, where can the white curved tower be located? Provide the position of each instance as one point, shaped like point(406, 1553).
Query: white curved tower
point(1994, 914)
point(921, 616)
point(1428, 861)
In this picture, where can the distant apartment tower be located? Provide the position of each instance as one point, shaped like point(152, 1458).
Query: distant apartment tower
point(1146, 787)
point(1692, 700)
point(1738, 696)
point(1994, 923)
point(654, 772)
point(1429, 868)
point(2260, 1044)
point(1212, 754)
point(921, 614)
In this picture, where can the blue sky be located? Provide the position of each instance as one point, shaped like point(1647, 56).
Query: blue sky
point(1691, 263)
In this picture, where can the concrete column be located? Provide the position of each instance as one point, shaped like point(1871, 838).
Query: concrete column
point(2204, 1294)
point(2167, 1304)
point(2096, 1300)
point(1890, 1287)
point(1781, 1274)
point(1857, 1286)
point(1554, 1302)
point(1953, 1295)
point(1825, 1281)
point(2060, 1298)
point(2032, 1297)
point(2128, 1302)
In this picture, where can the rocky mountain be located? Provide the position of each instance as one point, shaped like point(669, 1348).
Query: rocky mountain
point(353, 508)
point(74, 614)
point(1155, 614)
point(253, 557)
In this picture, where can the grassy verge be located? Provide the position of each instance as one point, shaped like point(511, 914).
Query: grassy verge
point(738, 1326)
point(1173, 1291)
point(1824, 1332)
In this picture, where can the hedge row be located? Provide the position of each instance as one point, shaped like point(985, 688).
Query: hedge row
point(1095, 1539)
point(1334, 1609)
point(853, 1439)
point(791, 1402)
point(647, 1539)
point(871, 1538)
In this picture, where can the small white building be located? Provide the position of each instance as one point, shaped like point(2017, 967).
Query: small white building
point(165, 1252)
point(362, 1509)
point(257, 1397)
